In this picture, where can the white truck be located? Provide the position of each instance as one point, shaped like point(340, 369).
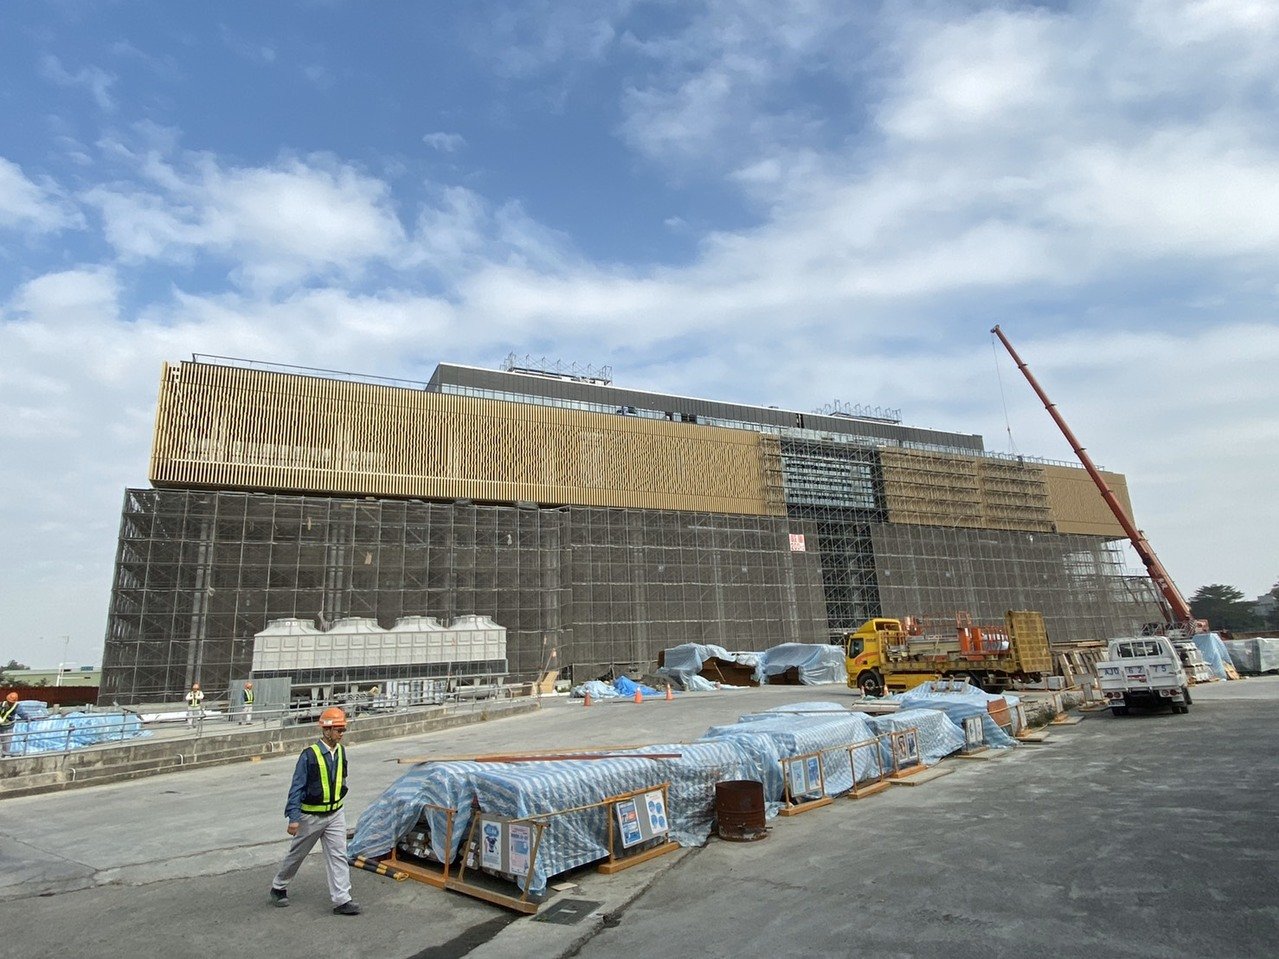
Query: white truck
point(1143, 671)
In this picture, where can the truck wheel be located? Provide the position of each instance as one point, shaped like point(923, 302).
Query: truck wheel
point(1185, 691)
point(1119, 710)
point(869, 683)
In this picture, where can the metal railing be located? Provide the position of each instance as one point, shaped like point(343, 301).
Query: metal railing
point(219, 718)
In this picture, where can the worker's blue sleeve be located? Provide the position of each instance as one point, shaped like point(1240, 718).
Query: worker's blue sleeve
point(293, 808)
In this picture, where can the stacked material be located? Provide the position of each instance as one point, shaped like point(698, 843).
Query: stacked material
point(686, 663)
point(801, 729)
point(1215, 652)
point(545, 788)
point(568, 794)
point(1259, 655)
point(939, 736)
point(817, 663)
point(958, 704)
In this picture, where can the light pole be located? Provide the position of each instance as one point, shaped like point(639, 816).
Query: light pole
point(66, 643)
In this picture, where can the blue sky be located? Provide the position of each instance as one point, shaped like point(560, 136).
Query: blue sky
point(772, 203)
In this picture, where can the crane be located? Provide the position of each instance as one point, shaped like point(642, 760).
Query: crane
point(1177, 611)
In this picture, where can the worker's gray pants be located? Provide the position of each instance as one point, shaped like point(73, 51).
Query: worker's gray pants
point(331, 832)
point(6, 740)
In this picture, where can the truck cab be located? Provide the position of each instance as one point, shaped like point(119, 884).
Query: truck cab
point(864, 653)
point(1143, 671)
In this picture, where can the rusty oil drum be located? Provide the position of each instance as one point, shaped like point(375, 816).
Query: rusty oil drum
point(739, 810)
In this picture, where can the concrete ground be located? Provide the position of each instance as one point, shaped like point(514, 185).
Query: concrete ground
point(1150, 835)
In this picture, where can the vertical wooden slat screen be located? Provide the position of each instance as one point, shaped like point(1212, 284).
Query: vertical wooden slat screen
point(237, 428)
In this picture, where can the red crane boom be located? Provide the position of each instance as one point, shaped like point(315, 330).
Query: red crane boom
point(1178, 612)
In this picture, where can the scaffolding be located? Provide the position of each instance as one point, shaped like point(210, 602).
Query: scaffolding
point(199, 573)
point(601, 540)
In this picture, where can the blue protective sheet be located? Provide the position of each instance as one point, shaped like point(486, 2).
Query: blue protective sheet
point(1214, 653)
point(750, 749)
point(958, 705)
point(519, 790)
point(802, 728)
point(818, 663)
point(684, 662)
point(938, 734)
point(72, 731)
point(621, 686)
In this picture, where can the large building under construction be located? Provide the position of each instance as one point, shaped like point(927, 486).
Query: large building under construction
point(598, 525)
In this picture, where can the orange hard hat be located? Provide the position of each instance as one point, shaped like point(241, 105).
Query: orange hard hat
point(12, 697)
point(333, 718)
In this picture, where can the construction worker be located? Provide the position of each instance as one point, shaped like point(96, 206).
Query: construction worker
point(314, 811)
point(8, 716)
point(195, 704)
point(246, 704)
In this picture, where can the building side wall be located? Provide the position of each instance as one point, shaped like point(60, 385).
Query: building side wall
point(1078, 506)
point(235, 428)
point(1075, 581)
point(199, 573)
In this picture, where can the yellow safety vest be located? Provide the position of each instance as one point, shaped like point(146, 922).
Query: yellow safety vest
point(330, 790)
point(248, 697)
point(7, 709)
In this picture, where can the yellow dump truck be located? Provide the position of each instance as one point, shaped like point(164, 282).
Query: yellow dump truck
point(895, 655)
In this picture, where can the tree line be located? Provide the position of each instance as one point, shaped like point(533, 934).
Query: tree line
point(1226, 607)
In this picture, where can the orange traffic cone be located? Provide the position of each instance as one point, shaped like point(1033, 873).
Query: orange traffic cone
point(669, 695)
point(587, 700)
point(639, 695)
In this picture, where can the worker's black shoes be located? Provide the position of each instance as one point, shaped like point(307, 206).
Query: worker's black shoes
point(348, 908)
point(279, 897)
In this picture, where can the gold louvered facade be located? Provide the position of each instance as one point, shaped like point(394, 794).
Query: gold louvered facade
point(931, 489)
point(936, 489)
point(224, 427)
point(1078, 506)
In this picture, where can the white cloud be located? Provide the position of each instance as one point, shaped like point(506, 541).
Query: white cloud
point(94, 79)
point(279, 225)
point(445, 142)
point(24, 203)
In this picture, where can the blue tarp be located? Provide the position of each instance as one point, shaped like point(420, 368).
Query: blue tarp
point(961, 703)
point(1214, 652)
point(938, 734)
point(818, 663)
point(750, 749)
point(73, 731)
point(802, 728)
point(621, 686)
point(683, 663)
point(519, 790)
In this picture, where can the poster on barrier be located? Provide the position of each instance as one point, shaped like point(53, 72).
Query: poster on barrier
point(798, 778)
point(906, 747)
point(491, 845)
point(629, 822)
point(974, 737)
point(655, 803)
point(519, 843)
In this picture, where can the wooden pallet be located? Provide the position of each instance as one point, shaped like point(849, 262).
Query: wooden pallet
point(1074, 663)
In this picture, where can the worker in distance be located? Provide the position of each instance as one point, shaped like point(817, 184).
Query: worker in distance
point(314, 812)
